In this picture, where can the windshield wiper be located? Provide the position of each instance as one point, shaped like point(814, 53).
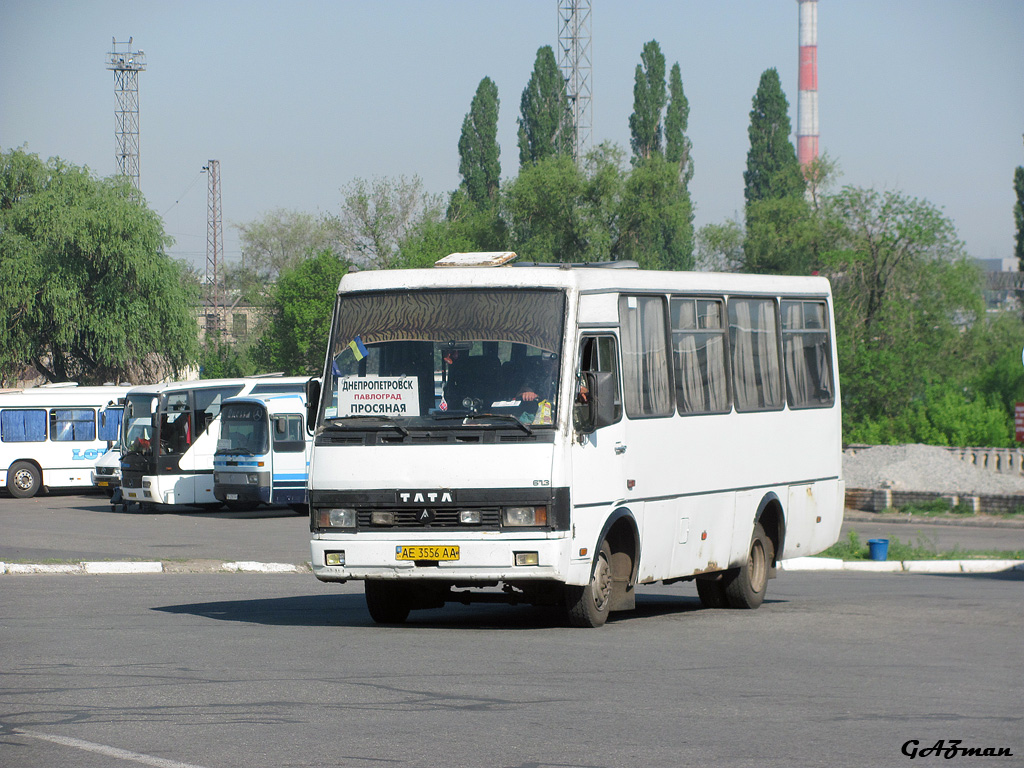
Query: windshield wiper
point(502, 416)
point(344, 422)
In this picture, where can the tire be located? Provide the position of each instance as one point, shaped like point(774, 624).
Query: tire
point(745, 587)
point(24, 480)
point(588, 606)
point(387, 601)
point(712, 593)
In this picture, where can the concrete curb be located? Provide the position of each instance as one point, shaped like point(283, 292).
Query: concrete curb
point(901, 566)
point(249, 566)
point(128, 567)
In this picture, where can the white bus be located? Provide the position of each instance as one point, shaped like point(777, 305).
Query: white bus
point(569, 432)
point(263, 452)
point(51, 436)
point(170, 434)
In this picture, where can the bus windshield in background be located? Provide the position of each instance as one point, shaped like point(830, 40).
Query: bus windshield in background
point(137, 424)
point(243, 429)
point(435, 358)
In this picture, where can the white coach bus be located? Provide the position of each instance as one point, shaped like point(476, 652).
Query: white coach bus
point(263, 452)
point(51, 436)
point(571, 431)
point(170, 433)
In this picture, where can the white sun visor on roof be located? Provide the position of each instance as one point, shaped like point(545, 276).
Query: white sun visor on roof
point(476, 259)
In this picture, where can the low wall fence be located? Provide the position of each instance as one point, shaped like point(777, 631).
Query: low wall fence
point(1001, 460)
point(881, 499)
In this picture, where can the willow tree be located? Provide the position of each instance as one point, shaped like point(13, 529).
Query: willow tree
point(90, 293)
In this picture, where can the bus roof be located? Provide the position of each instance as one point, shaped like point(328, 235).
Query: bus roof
point(176, 386)
point(583, 278)
point(287, 402)
point(62, 395)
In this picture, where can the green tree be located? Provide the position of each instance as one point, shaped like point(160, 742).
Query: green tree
point(378, 216)
point(772, 168)
point(544, 206)
point(89, 291)
point(677, 116)
point(656, 219)
point(1018, 215)
point(645, 126)
point(783, 237)
point(302, 303)
point(545, 121)
point(478, 146)
point(904, 291)
point(279, 240)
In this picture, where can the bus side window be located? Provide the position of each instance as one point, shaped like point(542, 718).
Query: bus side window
point(23, 426)
point(72, 424)
point(598, 354)
point(645, 373)
point(288, 434)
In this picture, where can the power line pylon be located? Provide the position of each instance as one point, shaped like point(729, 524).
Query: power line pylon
point(126, 65)
point(214, 251)
point(576, 66)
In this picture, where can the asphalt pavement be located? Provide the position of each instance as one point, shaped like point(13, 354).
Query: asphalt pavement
point(82, 532)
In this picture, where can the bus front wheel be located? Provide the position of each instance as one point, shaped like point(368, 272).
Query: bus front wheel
point(23, 479)
point(588, 606)
point(387, 601)
point(746, 586)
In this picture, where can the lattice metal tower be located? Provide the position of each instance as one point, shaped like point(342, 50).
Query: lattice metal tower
point(214, 250)
point(126, 65)
point(575, 62)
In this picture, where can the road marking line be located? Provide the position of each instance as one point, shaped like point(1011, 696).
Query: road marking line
point(122, 754)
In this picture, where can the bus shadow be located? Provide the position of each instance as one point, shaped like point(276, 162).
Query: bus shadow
point(349, 610)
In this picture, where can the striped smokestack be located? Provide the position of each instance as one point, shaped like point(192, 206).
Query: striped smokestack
point(807, 103)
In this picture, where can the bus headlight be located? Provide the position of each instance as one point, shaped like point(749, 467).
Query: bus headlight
point(524, 516)
point(336, 517)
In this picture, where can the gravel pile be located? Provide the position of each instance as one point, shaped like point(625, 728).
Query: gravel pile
point(923, 468)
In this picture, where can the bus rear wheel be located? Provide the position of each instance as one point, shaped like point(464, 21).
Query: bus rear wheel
point(24, 479)
point(588, 606)
point(387, 601)
point(746, 586)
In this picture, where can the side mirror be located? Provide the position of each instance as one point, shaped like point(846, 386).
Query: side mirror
point(595, 408)
point(312, 403)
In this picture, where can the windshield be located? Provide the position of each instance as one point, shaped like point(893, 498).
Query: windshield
point(137, 424)
point(243, 429)
point(435, 358)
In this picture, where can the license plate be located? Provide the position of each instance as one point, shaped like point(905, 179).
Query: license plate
point(232, 496)
point(102, 483)
point(442, 552)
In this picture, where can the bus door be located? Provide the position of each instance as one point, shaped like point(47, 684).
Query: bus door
point(175, 431)
point(599, 457)
point(289, 458)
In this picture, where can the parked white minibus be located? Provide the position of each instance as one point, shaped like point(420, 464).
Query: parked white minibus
point(567, 432)
point(263, 452)
point(52, 435)
point(170, 434)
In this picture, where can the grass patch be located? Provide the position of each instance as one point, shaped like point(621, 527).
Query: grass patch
point(933, 508)
point(853, 549)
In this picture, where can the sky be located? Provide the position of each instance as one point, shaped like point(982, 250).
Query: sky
point(297, 99)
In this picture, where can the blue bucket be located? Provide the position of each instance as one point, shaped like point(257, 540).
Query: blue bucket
point(878, 549)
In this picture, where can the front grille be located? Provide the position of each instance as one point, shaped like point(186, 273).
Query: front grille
point(232, 478)
point(406, 518)
point(105, 470)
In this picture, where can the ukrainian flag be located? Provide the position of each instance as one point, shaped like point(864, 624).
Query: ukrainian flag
point(356, 345)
